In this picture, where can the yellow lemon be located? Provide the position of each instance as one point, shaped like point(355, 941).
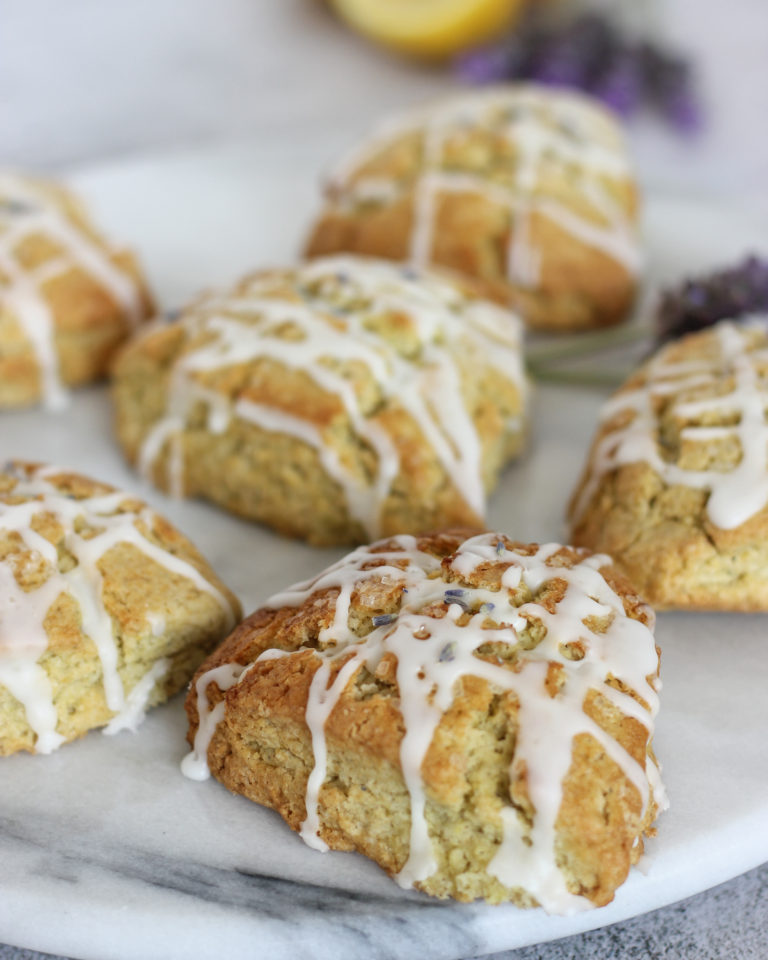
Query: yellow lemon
point(429, 28)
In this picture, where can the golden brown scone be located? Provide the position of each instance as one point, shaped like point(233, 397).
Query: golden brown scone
point(675, 488)
point(525, 189)
point(105, 608)
point(67, 298)
point(333, 401)
point(472, 713)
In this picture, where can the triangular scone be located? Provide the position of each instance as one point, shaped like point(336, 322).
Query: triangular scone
point(675, 487)
point(105, 608)
point(472, 713)
point(524, 189)
point(67, 297)
point(336, 401)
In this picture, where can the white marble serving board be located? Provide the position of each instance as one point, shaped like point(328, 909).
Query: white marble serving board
point(108, 853)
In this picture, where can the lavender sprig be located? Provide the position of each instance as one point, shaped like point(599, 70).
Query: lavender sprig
point(591, 53)
point(619, 84)
point(491, 64)
point(668, 81)
point(730, 294)
point(570, 58)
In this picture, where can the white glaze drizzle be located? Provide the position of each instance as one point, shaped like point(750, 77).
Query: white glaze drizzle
point(20, 672)
point(735, 495)
point(23, 636)
point(135, 708)
point(545, 127)
point(27, 210)
point(195, 764)
point(246, 327)
point(433, 655)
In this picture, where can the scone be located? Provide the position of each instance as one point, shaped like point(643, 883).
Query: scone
point(676, 485)
point(105, 608)
point(335, 401)
point(525, 189)
point(473, 714)
point(67, 298)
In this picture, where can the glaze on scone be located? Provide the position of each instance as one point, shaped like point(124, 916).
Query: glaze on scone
point(67, 298)
point(472, 713)
point(527, 190)
point(676, 485)
point(337, 401)
point(105, 608)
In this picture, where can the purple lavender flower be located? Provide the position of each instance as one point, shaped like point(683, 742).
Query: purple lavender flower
point(589, 53)
point(684, 111)
point(668, 80)
point(701, 301)
point(620, 84)
point(571, 57)
point(448, 652)
point(490, 64)
point(383, 619)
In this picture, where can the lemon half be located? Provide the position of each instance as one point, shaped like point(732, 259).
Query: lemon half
point(429, 28)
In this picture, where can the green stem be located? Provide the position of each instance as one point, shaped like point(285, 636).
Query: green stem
point(584, 343)
point(578, 378)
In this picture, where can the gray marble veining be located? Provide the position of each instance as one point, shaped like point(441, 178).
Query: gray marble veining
point(729, 921)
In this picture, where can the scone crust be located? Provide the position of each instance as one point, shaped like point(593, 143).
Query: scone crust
point(263, 747)
point(156, 612)
point(356, 442)
point(51, 249)
point(667, 439)
point(455, 185)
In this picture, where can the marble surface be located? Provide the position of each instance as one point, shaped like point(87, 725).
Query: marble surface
point(729, 921)
point(125, 859)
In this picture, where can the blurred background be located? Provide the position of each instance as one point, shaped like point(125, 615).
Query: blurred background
point(84, 81)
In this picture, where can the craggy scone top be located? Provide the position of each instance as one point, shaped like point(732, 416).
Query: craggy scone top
point(67, 297)
point(394, 650)
point(91, 582)
point(676, 484)
point(513, 186)
point(398, 384)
